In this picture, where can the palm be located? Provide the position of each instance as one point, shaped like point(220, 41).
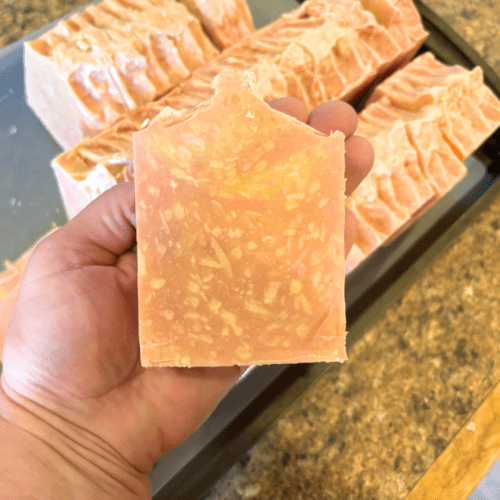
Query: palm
point(92, 347)
point(90, 362)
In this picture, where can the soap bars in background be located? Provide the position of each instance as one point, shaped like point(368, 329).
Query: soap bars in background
point(101, 64)
point(240, 235)
point(323, 50)
point(423, 122)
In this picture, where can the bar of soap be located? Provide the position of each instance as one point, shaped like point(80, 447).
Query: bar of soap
point(323, 50)
point(101, 64)
point(240, 231)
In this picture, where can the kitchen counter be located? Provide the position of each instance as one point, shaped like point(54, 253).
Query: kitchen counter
point(371, 428)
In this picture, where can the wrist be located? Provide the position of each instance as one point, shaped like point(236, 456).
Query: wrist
point(47, 457)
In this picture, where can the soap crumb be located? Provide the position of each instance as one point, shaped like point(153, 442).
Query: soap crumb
point(249, 491)
point(471, 426)
point(400, 484)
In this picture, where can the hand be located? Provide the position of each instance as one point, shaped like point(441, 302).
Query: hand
point(71, 357)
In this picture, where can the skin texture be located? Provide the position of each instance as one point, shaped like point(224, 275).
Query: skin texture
point(71, 355)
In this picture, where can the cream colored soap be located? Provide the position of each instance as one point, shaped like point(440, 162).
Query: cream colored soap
point(240, 230)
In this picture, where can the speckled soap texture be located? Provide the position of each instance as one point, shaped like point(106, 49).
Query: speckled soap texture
point(371, 427)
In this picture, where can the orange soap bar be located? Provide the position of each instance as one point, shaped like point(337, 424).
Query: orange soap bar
point(240, 231)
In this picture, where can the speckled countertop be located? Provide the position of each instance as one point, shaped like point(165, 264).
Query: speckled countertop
point(371, 427)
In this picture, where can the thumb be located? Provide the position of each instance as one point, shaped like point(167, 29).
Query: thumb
point(99, 235)
point(105, 227)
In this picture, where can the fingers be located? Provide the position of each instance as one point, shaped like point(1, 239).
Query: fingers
point(338, 115)
point(359, 157)
point(334, 115)
point(359, 154)
point(350, 230)
point(291, 106)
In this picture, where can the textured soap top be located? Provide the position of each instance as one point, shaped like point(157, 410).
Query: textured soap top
point(422, 122)
point(118, 55)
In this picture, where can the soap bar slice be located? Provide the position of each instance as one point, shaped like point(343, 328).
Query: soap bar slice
point(325, 49)
point(101, 64)
point(240, 231)
point(225, 21)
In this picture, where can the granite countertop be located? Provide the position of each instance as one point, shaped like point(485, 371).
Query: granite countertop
point(371, 427)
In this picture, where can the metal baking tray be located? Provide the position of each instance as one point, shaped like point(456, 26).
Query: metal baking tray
point(30, 204)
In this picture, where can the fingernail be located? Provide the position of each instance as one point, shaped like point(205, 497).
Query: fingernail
point(134, 249)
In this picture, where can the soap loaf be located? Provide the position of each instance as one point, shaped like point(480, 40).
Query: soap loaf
point(423, 122)
point(324, 50)
point(101, 64)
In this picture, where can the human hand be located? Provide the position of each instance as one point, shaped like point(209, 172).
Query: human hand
point(71, 355)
